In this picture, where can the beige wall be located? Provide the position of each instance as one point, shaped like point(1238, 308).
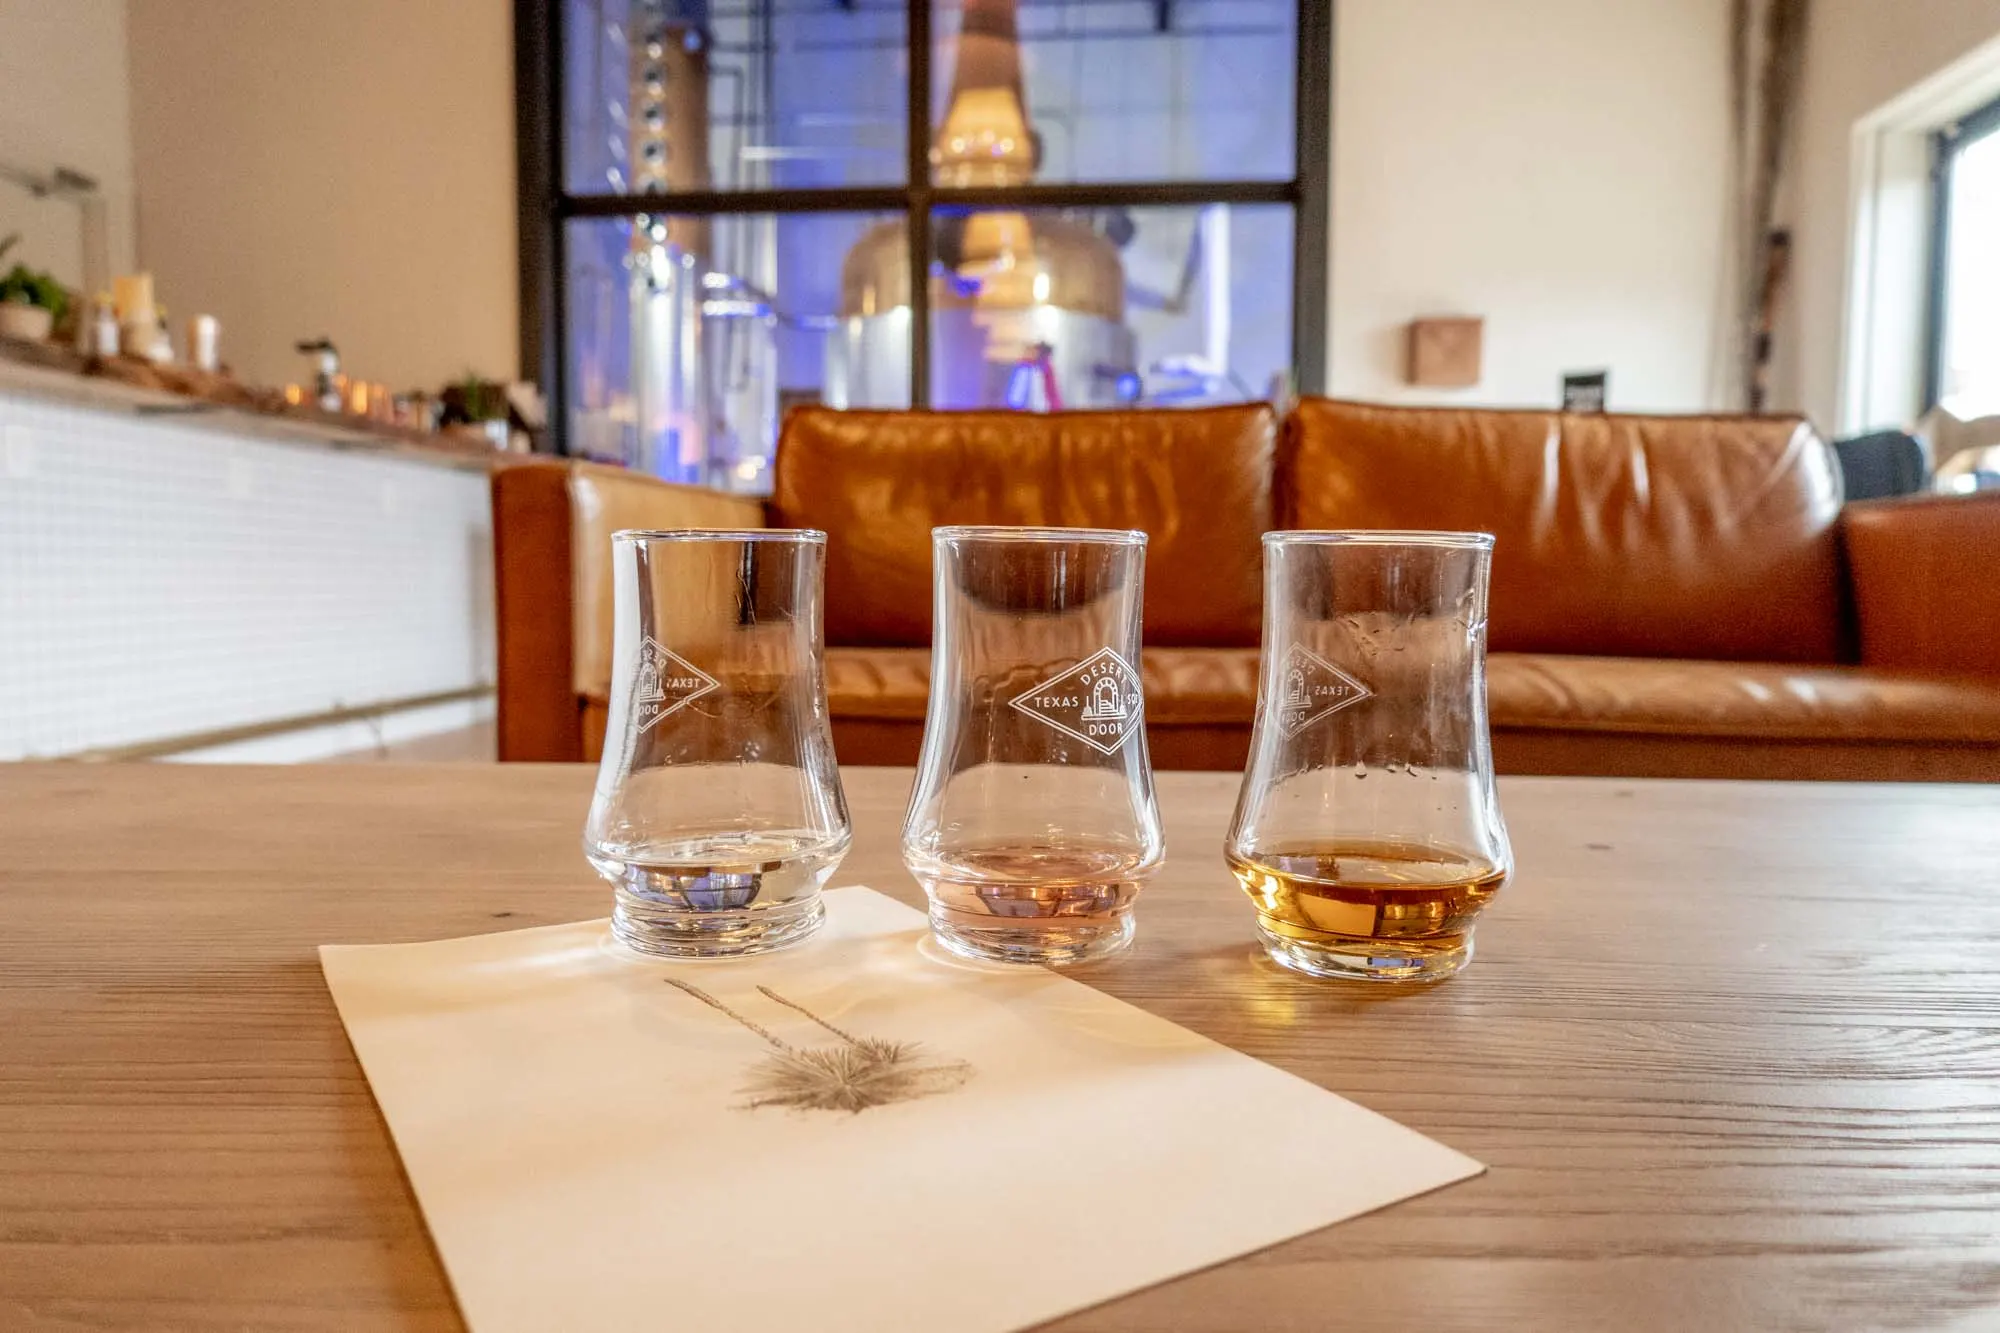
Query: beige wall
point(1859, 55)
point(345, 169)
point(63, 103)
point(1557, 166)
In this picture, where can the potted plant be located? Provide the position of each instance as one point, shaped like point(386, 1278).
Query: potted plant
point(31, 303)
point(481, 406)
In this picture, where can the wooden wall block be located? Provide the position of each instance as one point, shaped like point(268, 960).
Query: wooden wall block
point(1445, 352)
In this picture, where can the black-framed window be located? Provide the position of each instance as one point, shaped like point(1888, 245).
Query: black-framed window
point(1963, 357)
point(728, 206)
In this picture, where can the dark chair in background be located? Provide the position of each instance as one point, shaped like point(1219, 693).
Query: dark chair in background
point(1882, 464)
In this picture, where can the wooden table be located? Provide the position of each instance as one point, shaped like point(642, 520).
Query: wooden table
point(1732, 1051)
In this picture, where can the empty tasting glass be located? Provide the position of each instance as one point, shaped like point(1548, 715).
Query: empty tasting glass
point(718, 812)
point(1032, 823)
point(1367, 831)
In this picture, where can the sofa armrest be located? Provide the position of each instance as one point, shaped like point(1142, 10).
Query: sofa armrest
point(1926, 571)
point(604, 500)
point(552, 526)
point(531, 616)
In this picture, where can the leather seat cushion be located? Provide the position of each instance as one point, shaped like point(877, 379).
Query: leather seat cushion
point(1535, 692)
point(1184, 686)
point(1747, 700)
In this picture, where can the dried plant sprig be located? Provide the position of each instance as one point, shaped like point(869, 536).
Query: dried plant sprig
point(850, 1078)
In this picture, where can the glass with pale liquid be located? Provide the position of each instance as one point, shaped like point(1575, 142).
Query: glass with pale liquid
point(718, 813)
point(1032, 824)
point(1367, 831)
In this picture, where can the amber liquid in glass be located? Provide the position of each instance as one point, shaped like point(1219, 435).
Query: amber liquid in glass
point(1049, 885)
point(1413, 896)
point(1051, 902)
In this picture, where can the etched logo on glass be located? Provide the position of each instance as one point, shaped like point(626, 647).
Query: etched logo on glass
point(1311, 688)
point(1098, 701)
point(667, 683)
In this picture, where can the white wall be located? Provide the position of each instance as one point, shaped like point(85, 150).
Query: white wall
point(1557, 166)
point(346, 169)
point(164, 578)
point(1860, 54)
point(63, 103)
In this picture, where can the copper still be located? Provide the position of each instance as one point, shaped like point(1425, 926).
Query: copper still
point(1013, 292)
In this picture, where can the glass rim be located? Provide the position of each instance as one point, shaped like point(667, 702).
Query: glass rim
point(1459, 541)
point(813, 535)
point(1005, 533)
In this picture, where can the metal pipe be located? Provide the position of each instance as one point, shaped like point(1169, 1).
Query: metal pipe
point(1143, 33)
point(1214, 232)
point(189, 742)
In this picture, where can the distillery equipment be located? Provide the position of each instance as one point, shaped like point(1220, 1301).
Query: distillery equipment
point(1027, 306)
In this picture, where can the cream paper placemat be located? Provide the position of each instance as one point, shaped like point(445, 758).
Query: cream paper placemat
point(853, 1134)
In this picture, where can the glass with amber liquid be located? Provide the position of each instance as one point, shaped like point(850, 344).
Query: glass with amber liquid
point(1032, 824)
point(1367, 831)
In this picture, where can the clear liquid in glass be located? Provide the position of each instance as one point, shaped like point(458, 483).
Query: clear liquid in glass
point(719, 894)
point(718, 813)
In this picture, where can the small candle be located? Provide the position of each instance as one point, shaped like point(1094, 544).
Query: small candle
point(132, 295)
point(204, 339)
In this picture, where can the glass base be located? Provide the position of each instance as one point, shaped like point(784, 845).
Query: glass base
point(1049, 944)
point(1367, 960)
point(646, 926)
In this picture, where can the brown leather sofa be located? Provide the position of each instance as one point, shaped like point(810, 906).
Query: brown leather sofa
point(1672, 596)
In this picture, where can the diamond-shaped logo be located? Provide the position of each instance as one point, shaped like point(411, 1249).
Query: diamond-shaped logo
point(1098, 701)
point(1311, 688)
point(667, 683)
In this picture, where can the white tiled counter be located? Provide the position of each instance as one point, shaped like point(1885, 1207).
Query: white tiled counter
point(219, 586)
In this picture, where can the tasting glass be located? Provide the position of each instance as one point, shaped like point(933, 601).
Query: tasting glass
point(1032, 824)
point(718, 813)
point(1367, 831)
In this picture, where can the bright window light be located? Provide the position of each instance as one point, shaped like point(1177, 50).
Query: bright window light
point(1970, 383)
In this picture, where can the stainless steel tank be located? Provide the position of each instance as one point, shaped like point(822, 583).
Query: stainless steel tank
point(703, 341)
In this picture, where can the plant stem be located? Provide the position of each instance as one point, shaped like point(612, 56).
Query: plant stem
point(714, 1003)
point(849, 1038)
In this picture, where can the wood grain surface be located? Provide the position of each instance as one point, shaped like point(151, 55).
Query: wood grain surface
point(1732, 1051)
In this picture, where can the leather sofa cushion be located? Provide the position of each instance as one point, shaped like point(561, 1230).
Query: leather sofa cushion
point(1198, 482)
point(1532, 691)
point(890, 684)
point(1634, 536)
point(1184, 686)
point(1750, 700)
